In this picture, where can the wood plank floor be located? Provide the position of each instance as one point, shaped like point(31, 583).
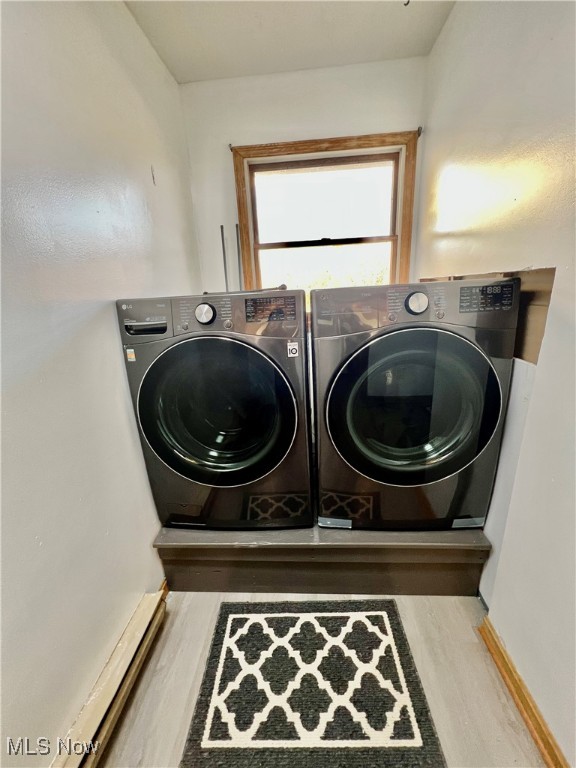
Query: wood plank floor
point(476, 719)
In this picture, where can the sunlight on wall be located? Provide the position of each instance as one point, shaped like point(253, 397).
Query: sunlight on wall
point(470, 197)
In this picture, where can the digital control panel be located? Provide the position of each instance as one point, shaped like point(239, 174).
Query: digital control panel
point(487, 298)
point(260, 309)
point(472, 303)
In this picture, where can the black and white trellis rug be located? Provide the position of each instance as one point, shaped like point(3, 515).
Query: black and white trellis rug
point(308, 685)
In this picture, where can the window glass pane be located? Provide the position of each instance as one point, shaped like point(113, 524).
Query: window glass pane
point(328, 266)
point(310, 204)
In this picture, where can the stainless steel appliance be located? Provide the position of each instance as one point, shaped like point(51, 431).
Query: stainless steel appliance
point(411, 385)
point(218, 384)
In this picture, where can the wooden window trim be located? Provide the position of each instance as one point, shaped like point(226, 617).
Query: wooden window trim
point(245, 156)
point(338, 160)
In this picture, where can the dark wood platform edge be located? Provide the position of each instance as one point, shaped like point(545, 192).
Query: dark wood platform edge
point(426, 564)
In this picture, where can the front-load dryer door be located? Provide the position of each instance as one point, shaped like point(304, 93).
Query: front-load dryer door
point(413, 406)
point(217, 411)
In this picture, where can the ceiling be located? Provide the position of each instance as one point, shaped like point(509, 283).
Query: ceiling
point(213, 39)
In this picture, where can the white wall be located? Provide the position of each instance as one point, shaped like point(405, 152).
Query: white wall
point(313, 104)
point(87, 109)
point(498, 194)
point(495, 527)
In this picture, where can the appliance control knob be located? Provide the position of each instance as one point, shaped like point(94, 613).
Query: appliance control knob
point(416, 303)
point(205, 314)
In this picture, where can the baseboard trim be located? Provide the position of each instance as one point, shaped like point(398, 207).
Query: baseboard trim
point(99, 715)
point(532, 716)
point(164, 588)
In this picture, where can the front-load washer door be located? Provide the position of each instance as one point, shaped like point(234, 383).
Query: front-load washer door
point(217, 411)
point(413, 406)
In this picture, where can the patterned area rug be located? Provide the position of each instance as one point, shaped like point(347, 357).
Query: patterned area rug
point(308, 685)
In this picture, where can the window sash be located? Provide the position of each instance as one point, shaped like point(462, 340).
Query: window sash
point(331, 163)
point(327, 241)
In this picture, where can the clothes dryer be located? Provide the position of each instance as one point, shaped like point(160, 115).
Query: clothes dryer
point(218, 384)
point(411, 384)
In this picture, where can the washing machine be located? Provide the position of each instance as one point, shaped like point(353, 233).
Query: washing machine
point(219, 388)
point(411, 384)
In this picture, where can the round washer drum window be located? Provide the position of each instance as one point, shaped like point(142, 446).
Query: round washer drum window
point(217, 411)
point(413, 406)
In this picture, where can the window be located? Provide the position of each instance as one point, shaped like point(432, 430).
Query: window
point(325, 213)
